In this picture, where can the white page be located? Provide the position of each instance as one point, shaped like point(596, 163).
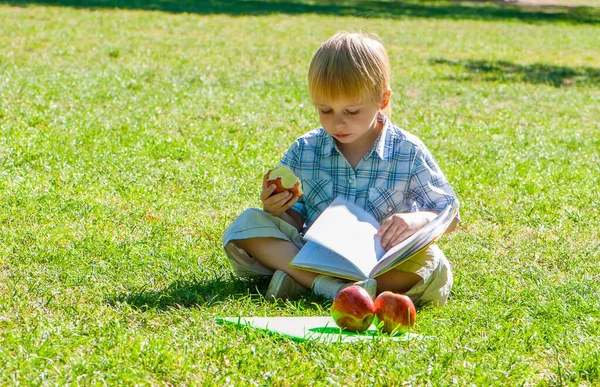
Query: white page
point(350, 231)
point(314, 256)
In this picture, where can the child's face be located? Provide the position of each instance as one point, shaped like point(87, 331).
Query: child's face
point(349, 120)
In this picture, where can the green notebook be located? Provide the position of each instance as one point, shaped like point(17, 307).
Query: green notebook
point(312, 328)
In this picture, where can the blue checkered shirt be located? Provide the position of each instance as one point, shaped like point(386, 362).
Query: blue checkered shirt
point(397, 175)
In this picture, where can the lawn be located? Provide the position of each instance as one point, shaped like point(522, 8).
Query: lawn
point(133, 133)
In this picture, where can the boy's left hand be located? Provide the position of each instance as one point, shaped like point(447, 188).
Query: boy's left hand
point(398, 227)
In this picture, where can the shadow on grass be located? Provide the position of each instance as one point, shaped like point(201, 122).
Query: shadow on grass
point(192, 293)
point(199, 294)
point(537, 73)
point(480, 10)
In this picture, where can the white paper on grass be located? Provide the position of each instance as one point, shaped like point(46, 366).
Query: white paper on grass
point(313, 328)
point(350, 231)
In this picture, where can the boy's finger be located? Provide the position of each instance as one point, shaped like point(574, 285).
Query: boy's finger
point(383, 228)
point(391, 228)
point(291, 202)
point(386, 238)
point(281, 198)
point(404, 235)
point(395, 237)
point(264, 182)
point(400, 237)
point(267, 192)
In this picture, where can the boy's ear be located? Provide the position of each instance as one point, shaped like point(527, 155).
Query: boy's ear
point(385, 100)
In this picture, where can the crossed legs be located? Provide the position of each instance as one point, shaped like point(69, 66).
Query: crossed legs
point(276, 254)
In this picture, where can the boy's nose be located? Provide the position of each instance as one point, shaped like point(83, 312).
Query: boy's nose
point(338, 121)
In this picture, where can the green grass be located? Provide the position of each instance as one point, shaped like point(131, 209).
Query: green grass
point(131, 135)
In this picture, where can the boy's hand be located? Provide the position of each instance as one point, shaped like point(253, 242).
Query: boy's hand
point(276, 204)
point(398, 227)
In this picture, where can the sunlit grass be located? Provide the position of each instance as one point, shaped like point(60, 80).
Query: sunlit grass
point(131, 138)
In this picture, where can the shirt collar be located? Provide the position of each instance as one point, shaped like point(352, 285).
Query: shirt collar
point(380, 146)
point(328, 145)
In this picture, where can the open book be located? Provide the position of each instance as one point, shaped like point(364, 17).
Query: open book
point(342, 242)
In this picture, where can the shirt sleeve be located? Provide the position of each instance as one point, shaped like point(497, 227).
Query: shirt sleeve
point(429, 189)
point(291, 158)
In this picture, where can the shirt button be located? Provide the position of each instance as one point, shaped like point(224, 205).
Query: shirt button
point(351, 180)
point(389, 209)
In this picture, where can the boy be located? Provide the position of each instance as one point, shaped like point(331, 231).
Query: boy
point(359, 154)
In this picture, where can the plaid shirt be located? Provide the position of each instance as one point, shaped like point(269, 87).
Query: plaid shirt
point(397, 175)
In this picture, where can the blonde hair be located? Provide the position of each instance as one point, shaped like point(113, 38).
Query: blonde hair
point(352, 65)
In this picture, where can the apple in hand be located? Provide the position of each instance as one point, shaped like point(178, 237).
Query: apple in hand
point(353, 309)
point(396, 311)
point(285, 180)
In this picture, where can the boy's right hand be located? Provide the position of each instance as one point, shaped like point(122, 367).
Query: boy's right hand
point(276, 204)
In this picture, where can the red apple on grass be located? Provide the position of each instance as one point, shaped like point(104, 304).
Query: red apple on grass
point(285, 180)
point(353, 309)
point(396, 311)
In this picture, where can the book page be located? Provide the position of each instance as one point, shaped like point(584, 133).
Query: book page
point(349, 231)
point(313, 257)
